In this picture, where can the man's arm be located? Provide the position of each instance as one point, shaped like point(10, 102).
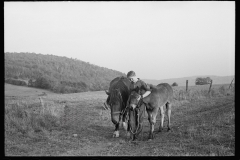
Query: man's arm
point(146, 88)
point(146, 94)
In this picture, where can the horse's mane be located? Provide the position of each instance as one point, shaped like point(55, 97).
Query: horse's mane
point(117, 87)
point(120, 84)
point(114, 96)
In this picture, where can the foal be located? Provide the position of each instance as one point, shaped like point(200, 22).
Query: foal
point(160, 96)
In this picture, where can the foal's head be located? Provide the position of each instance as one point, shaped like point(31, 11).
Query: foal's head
point(133, 100)
point(136, 110)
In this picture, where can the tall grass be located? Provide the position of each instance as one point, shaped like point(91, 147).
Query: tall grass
point(20, 120)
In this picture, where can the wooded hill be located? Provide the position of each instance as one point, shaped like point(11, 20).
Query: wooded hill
point(58, 74)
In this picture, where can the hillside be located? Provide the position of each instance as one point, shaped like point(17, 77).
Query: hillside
point(191, 80)
point(58, 74)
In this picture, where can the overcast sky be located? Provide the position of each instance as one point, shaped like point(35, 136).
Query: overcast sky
point(157, 40)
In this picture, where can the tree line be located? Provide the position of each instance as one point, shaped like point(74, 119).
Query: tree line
point(55, 73)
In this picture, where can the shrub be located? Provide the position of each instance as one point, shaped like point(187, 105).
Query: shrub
point(203, 81)
point(222, 90)
point(174, 84)
point(43, 82)
point(16, 82)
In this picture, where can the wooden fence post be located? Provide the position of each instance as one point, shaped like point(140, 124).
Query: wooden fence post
point(210, 87)
point(42, 105)
point(230, 86)
point(186, 85)
point(41, 101)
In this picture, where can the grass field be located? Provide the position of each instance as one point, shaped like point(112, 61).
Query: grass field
point(77, 125)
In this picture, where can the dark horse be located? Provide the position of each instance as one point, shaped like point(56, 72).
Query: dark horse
point(118, 94)
point(160, 96)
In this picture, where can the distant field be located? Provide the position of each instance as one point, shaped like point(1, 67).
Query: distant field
point(13, 90)
point(79, 126)
point(202, 87)
point(191, 80)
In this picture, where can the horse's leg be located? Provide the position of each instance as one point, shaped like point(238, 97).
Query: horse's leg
point(125, 123)
point(116, 120)
point(116, 131)
point(169, 108)
point(162, 119)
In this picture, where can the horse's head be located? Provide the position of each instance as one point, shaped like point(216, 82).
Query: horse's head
point(116, 103)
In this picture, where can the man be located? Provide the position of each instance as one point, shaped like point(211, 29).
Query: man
point(139, 85)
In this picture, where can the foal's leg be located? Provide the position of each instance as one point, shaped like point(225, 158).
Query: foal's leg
point(162, 119)
point(150, 122)
point(169, 108)
point(152, 115)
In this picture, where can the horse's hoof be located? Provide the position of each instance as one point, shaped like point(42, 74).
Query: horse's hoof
point(116, 134)
point(135, 139)
point(169, 129)
point(150, 137)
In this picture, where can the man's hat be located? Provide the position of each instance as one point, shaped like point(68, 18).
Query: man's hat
point(131, 74)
